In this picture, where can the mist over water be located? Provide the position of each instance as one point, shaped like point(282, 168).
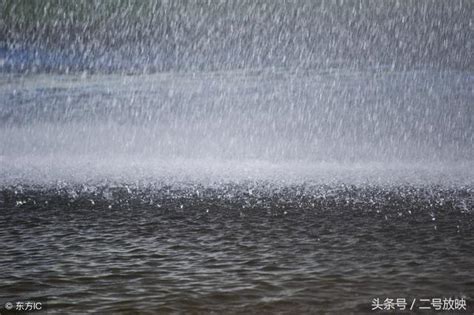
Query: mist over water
point(346, 117)
point(235, 156)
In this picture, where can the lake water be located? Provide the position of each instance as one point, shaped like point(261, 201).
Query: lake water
point(236, 192)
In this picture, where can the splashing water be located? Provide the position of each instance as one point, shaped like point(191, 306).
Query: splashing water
point(255, 157)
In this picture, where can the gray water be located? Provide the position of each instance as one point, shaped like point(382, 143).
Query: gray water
point(236, 157)
point(248, 248)
point(236, 192)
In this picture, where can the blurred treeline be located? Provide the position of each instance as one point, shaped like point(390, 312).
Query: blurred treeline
point(216, 34)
